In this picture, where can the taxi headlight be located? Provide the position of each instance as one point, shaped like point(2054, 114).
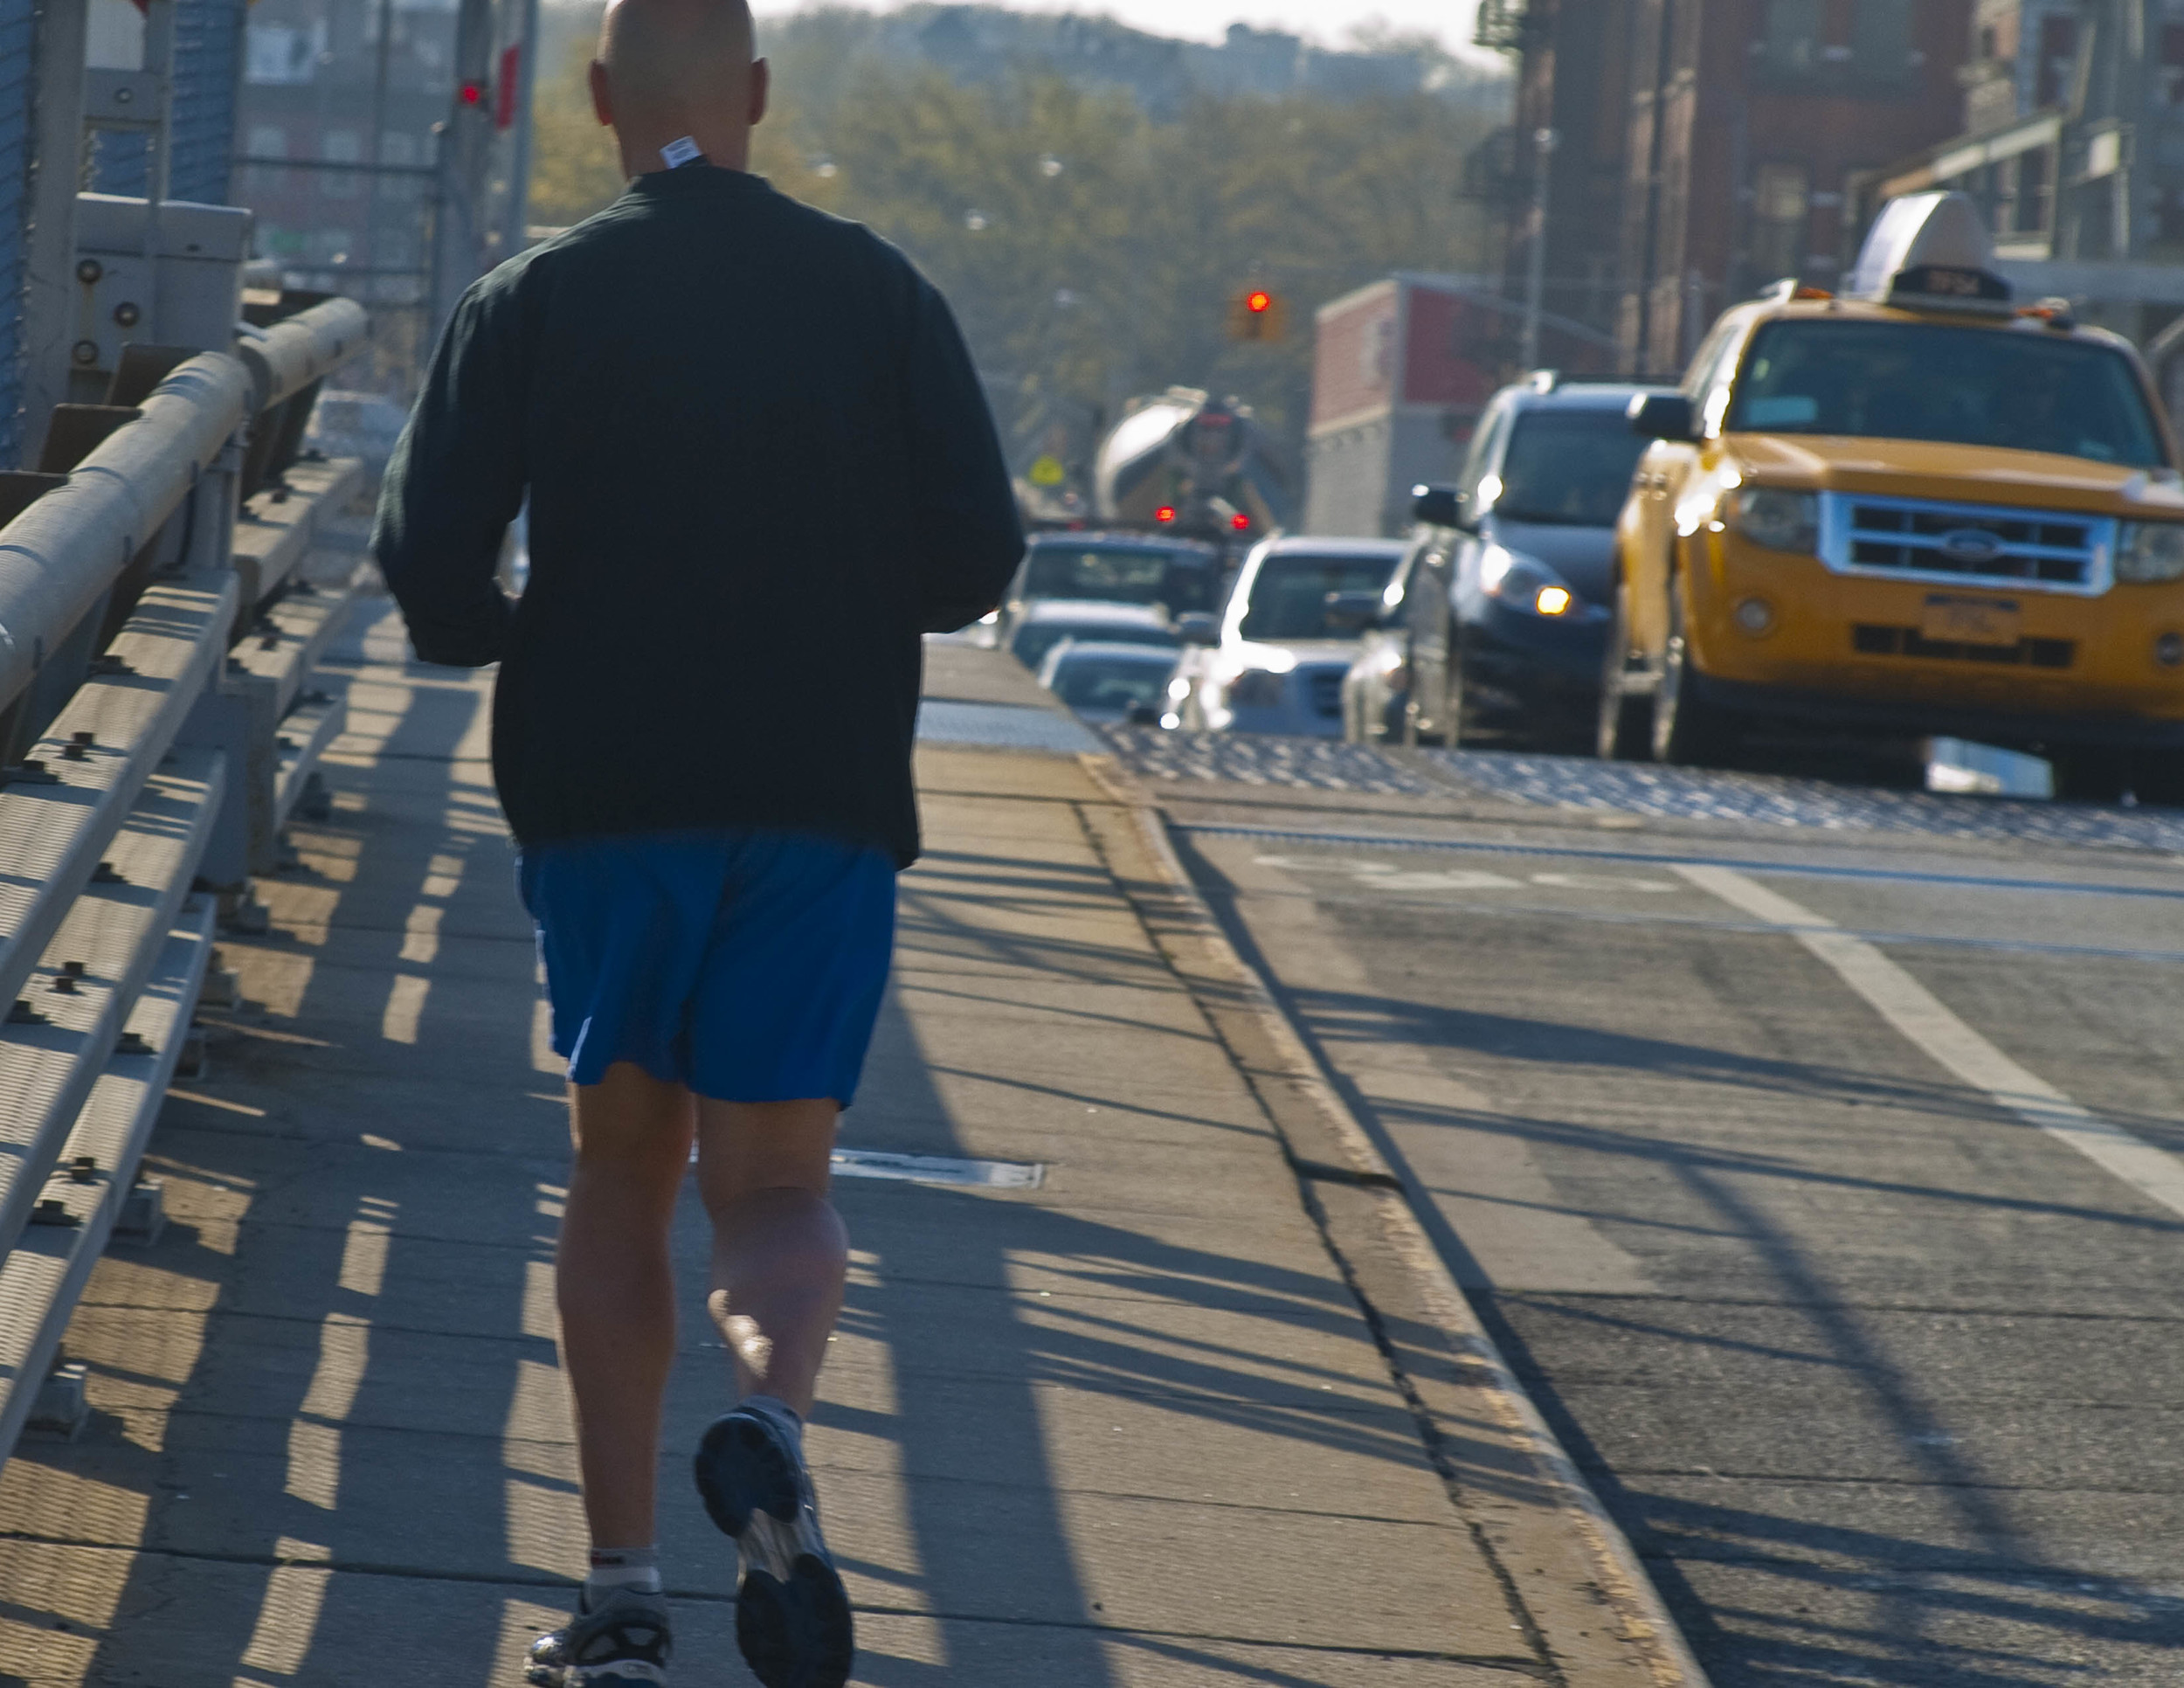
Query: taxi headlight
point(1781, 520)
point(2150, 550)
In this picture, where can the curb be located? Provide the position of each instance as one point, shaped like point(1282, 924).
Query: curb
point(1230, 992)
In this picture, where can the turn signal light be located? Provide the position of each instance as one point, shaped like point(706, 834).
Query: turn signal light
point(1552, 600)
point(1240, 521)
point(1166, 513)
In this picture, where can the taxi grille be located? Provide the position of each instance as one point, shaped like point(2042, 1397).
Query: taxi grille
point(1915, 539)
point(1869, 639)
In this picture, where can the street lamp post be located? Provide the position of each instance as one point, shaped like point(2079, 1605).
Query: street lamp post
point(1543, 141)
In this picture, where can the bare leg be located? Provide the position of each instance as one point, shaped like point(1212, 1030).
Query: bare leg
point(616, 1290)
point(779, 1251)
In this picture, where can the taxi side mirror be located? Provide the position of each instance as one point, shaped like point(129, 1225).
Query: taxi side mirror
point(1662, 416)
point(1437, 507)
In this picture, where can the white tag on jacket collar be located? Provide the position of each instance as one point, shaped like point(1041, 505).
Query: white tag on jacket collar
point(682, 151)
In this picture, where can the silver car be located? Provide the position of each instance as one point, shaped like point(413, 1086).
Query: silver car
point(1044, 625)
point(1105, 682)
point(1288, 637)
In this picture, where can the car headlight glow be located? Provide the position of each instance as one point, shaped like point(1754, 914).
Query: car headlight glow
point(1779, 519)
point(1525, 583)
point(2150, 550)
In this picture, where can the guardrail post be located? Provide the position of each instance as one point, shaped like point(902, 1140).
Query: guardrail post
point(239, 714)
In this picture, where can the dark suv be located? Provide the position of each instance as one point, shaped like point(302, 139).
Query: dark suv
point(1508, 598)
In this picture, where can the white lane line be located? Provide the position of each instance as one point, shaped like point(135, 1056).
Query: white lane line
point(1926, 1021)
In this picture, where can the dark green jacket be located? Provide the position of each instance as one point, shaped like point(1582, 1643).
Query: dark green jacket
point(759, 465)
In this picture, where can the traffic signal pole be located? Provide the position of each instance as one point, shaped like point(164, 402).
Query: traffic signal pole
point(1536, 254)
point(466, 154)
point(516, 235)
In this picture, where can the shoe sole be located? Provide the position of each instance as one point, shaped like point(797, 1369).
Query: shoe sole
point(792, 1620)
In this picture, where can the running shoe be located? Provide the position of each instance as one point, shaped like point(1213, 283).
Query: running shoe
point(792, 1613)
point(624, 1643)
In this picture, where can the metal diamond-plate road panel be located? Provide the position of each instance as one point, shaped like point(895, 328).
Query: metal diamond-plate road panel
point(1638, 788)
point(1325, 764)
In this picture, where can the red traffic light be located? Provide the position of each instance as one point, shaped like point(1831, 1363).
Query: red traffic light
point(1240, 521)
point(474, 93)
point(1256, 303)
point(1166, 513)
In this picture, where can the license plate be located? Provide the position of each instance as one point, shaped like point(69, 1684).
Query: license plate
point(1970, 621)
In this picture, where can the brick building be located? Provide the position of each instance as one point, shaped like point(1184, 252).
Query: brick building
point(2074, 145)
point(1705, 147)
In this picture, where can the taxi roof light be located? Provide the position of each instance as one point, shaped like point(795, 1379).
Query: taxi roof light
point(1930, 252)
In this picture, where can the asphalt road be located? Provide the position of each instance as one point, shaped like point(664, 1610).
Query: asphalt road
point(1815, 1153)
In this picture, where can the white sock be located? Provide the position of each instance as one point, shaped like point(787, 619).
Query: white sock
point(635, 1568)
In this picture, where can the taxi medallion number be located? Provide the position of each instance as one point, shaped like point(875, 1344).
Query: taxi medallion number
point(1950, 621)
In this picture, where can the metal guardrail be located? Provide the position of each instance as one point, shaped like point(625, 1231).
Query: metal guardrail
point(156, 643)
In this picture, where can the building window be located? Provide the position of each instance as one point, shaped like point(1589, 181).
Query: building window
point(2058, 56)
point(397, 146)
point(2030, 210)
point(2171, 71)
point(342, 147)
point(1782, 201)
point(1789, 39)
point(1881, 46)
point(276, 55)
point(268, 140)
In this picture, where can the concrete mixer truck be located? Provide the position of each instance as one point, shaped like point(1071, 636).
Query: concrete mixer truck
point(1183, 463)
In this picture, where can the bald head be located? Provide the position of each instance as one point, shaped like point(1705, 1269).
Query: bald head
point(672, 68)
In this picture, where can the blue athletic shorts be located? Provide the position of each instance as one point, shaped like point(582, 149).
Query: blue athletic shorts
point(748, 966)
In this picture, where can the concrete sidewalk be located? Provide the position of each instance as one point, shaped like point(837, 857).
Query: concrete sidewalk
point(1132, 1425)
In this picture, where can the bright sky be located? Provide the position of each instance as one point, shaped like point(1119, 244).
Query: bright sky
point(1326, 21)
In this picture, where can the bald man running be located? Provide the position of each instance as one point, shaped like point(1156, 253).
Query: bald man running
point(759, 466)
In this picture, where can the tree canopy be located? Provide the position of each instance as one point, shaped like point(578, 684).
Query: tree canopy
point(1091, 250)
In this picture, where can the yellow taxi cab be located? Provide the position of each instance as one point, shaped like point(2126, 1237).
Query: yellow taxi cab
point(1912, 510)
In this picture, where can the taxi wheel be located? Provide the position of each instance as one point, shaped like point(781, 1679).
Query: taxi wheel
point(1686, 728)
point(2157, 778)
point(2091, 773)
point(1625, 728)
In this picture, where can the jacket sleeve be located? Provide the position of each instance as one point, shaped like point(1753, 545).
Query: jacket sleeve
point(963, 524)
point(454, 483)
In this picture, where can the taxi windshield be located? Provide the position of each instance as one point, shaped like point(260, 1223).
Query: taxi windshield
point(1967, 386)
